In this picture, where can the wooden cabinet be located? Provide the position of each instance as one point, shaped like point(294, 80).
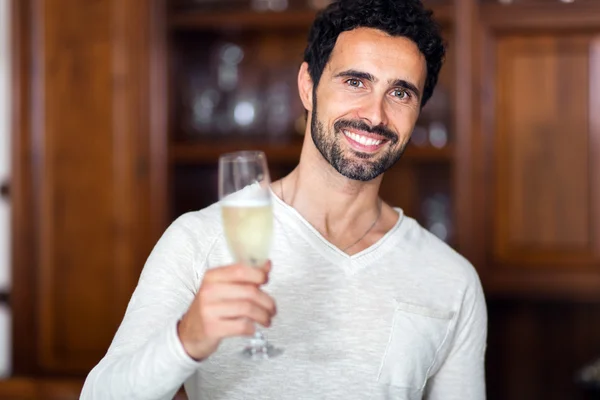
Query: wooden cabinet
point(534, 185)
point(537, 151)
point(87, 192)
point(119, 108)
point(546, 197)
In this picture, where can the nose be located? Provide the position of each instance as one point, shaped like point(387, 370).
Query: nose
point(373, 111)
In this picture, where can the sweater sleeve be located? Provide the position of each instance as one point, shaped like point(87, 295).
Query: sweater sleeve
point(462, 376)
point(146, 359)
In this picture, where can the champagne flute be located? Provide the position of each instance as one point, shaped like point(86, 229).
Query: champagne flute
point(244, 191)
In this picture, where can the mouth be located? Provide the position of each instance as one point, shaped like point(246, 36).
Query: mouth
point(364, 142)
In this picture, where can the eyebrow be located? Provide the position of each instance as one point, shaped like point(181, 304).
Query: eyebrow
point(401, 83)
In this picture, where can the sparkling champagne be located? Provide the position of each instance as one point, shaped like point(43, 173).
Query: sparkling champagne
point(248, 228)
point(247, 216)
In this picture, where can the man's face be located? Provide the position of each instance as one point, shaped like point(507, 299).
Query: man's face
point(367, 102)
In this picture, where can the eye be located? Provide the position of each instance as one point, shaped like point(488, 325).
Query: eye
point(402, 94)
point(354, 83)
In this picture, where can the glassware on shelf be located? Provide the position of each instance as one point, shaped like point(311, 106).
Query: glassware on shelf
point(278, 108)
point(420, 136)
point(436, 117)
point(438, 134)
point(238, 86)
point(230, 55)
point(436, 211)
point(280, 101)
point(200, 101)
point(245, 112)
point(269, 5)
point(203, 109)
point(240, 106)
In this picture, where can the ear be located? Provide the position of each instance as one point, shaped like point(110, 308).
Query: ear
point(305, 87)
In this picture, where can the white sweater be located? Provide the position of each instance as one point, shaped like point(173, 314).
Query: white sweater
point(403, 319)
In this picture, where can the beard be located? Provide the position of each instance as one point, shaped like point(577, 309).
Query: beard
point(356, 165)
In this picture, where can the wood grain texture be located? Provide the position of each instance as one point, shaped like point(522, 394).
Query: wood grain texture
point(464, 171)
point(535, 153)
point(535, 192)
point(24, 255)
point(87, 219)
point(77, 196)
point(542, 158)
point(552, 15)
point(594, 110)
point(48, 389)
point(536, 348)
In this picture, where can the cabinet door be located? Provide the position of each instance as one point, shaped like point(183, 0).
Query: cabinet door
point(87, 199)
point(540, 140)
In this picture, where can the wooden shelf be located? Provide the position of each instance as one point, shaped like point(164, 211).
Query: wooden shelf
point(208, 152)
point(243, 20)
point(247, 20)
point(541, 16)
point(573, 286)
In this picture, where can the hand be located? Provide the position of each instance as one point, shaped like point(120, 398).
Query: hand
point(228, 304)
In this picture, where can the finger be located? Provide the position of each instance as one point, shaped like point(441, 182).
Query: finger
point(267, 266)
point(238, 273)
point(218, 292)
point(236, 309)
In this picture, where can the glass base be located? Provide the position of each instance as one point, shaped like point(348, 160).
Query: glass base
point(259, 349)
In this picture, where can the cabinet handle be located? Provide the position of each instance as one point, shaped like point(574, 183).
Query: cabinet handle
point(4, 297)
point(5, 190)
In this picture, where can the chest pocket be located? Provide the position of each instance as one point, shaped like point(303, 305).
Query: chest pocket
point(418, 334)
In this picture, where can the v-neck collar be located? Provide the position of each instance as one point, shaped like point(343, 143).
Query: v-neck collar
point(292, 219)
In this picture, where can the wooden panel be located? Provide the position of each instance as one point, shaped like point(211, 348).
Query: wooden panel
point(77, 193)
point(48, 389)
point(90, 158)
point(594, 90)
point(465, 75)
point(543, 140)
point(22, 197)
point(227, 20)
point(543, 164)
point(29, 389)
point(536, 348)
point(551, 16)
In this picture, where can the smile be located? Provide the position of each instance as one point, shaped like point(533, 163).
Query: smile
point(363, 142)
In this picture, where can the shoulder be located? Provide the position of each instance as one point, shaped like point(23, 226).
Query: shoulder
point(435, 257)
point(199, 229)
point(204, 223)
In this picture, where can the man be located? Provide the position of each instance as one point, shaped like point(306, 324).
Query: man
point(371, 305)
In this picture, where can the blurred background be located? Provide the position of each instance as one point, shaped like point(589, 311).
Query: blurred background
point(113, 114)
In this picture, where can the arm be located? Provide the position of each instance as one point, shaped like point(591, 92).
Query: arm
point(152, 354)
point(462, 376)
point(146, 359)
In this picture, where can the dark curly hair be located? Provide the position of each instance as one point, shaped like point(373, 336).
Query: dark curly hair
point(407, 18)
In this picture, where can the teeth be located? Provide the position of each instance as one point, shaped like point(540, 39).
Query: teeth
point(365, 141)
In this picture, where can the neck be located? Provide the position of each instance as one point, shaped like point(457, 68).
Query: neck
point(341, 209)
